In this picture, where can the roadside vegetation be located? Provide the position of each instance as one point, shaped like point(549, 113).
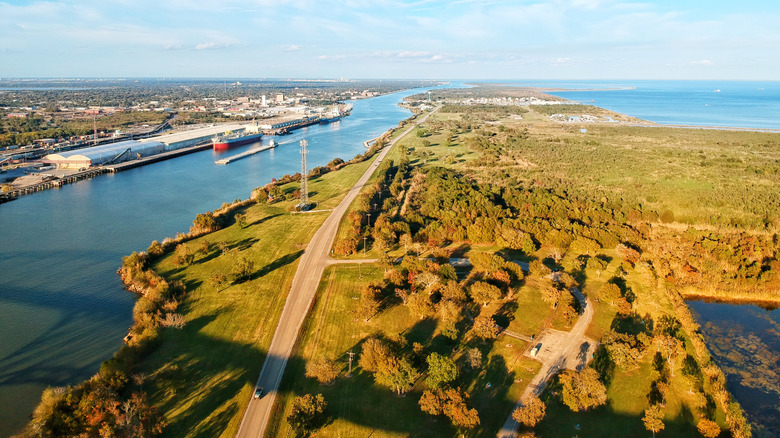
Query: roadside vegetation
point(482, 223)
point(580, 204)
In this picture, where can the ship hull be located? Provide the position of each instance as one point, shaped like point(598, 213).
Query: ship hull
point(229, 143)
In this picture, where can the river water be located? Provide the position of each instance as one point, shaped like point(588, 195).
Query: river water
point(62, 307)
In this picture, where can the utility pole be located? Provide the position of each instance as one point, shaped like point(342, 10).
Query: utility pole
point(351, 354)
point(304, 178)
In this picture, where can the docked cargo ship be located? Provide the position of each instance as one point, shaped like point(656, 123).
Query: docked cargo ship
point(336, 114)
point(231, 139)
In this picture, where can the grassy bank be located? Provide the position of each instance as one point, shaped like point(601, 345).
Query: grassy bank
point(202, 375)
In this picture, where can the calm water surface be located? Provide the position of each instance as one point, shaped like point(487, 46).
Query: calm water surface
point(742, 104)
point(745, 341)
point(62, 307)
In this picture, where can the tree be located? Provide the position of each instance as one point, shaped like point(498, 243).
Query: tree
point(397, 374)
point(217, 280)
point(309, 413)
point(582, 390)
point(474, 357)
point(482, 292)
point(610, 292)
point(597, 264)
point(441, 369)
point(485, 326)
point(550, 292)
point(670, 347)
point(242, 268)
point(708, 428)
point(531, 413)
point(322, 369)
point(374, 353)
point(449, 315)
point(451, 403)
point(420, 305)
point(183, 255)
point(369, 302)
point(453, 291)
point(654, 419)
point(240, 220)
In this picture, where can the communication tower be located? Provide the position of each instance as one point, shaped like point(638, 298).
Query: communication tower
point(304, 179)
point(429, 96)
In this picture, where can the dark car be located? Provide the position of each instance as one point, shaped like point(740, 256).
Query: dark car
point(258, 392)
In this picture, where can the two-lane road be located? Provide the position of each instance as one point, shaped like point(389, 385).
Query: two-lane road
point(304, 286)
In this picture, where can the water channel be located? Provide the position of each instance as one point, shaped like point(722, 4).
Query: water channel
point(62, 307)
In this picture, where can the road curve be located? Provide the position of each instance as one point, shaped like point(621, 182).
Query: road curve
point(304, 286)
point(574, 339)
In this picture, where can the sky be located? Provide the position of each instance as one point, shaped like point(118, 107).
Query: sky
point(424, 39)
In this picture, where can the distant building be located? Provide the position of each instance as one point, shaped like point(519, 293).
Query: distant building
point(17, 115)
point(280, 98)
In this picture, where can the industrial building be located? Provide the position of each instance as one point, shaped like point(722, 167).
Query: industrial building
point(105, 154)
point(134, 149)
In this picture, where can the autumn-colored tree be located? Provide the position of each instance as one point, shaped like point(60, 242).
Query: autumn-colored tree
point(369, 302)
point(453, 291)
point(582, 390)
point(323, 369)
point(218, 280)
point(346, 246)
point(610, 292)
point(539, 269)
point(550, 292)
point(449, 315)
point(243, 267)
point(670, 347)
point(374, 353)
point(532, 411)
point(482, 292)
point(597, 264)
point(183, 256)
point(629, 254)
point(474, 357)
point(451, 403)
point(441, 369)
point(309, 413)
point(654, 419)
point(708, 428)
point(485, 326)
point(420, 305)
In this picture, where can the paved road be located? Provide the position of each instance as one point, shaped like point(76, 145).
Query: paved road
point(304, 286)
point(552, 363)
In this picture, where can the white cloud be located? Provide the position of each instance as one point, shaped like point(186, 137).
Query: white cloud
point(701, 62)
point(292, 48)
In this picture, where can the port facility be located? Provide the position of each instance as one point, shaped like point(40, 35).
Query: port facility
point(136, 149)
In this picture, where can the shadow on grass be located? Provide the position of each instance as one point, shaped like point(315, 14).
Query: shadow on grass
point(263, 220)
point(184, 370)
point(276, 264)
point(603, 421)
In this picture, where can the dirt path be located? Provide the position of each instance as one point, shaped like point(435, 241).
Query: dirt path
point(559, 350)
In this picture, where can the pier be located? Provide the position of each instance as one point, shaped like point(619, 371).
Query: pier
point(51, 183)
point(155, 158)
point(245, 154)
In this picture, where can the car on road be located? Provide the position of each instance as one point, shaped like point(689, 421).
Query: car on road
point(258, 392)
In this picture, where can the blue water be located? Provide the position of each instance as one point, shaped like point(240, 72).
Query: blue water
point(741, 104)
point(62, 307)
point(745, 342)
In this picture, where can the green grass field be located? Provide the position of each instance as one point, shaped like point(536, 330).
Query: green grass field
point(360, 407)
point(201, 376)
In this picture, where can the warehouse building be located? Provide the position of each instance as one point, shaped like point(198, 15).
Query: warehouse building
point(134, 149)
point(105, 154)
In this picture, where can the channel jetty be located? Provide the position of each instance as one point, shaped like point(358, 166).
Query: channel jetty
point(245, 154)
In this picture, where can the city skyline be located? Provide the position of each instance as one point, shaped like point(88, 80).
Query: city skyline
point(578, 39)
